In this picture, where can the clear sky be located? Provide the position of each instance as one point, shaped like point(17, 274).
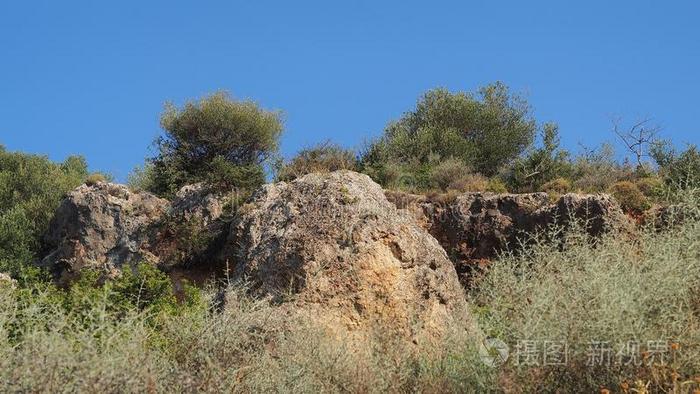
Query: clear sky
point(91, 77)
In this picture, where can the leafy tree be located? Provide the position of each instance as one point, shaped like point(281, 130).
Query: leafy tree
point(679, 170)
point(217, 140)
point(31, 188)
point(541, 165)
point(486, 131)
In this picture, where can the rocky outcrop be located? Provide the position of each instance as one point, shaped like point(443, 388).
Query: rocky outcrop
point(474, 227)
point(197, 202)
point(336, 218)
point(192, 230)
point(334, 245)
point(102, 226)
point(106, 226)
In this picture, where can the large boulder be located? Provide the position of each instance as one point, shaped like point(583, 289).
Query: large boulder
point(475, 227)
point(106, 226)
point(102, 226)
point(332, 244)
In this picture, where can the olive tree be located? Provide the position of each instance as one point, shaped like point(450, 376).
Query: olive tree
point(486, 130)
point(217, 140)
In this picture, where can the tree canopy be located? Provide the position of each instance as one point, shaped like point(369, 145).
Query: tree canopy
point(216, 139)
point(486, 131)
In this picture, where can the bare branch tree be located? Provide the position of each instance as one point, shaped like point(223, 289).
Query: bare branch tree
point(637, 138)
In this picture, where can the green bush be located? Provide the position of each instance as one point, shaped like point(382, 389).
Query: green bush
point(135, 289)
point(683, 170)
point(541, 165)
point(96, 178)
point(142, 178)
point(325, 157)
point(450, 174)
point(596, 170)
point(31, 188)
point(496, 185)
point(630, 197)
point(558, 185)
point(486, 131)
point(651, 186)
point(216, 140)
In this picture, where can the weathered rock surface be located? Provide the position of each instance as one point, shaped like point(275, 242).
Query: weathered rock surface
point(197, 202)
point(192, 229)
point(333, 244)
point(290, 230)
point(106, 226)
point(102, 226)
point(475, 227)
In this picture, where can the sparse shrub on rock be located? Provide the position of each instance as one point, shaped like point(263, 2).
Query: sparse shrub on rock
point(558, 185)
point(95, 178)
point(496, 185)
point(192, 230)
point(325, 157)
point(630, 197)
point(651, 186)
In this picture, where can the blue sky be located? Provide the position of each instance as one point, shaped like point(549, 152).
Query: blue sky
point(91, 77)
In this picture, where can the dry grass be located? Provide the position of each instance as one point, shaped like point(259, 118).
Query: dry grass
point(619, 292)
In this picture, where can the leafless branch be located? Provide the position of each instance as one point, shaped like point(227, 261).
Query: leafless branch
point(637, 138)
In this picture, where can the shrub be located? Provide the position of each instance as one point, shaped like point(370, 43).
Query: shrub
point(683, 171)
point(325, 157)
point(95, 178)
point(558, 185)
point(249, 346)
point(470, 183)
point(214, 139)
point(616, 299)
point(496, 185)
point(596, 170)
point(650, 186)
point(142, 178)
point(541, 165)
point(136, 289)
point(630, 197)
point(450, 174)
point(486, 131)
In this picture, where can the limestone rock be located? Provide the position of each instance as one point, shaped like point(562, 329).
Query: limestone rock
point(102, 226)
point(332, 243)
point(474, 227)
point(197, 202)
